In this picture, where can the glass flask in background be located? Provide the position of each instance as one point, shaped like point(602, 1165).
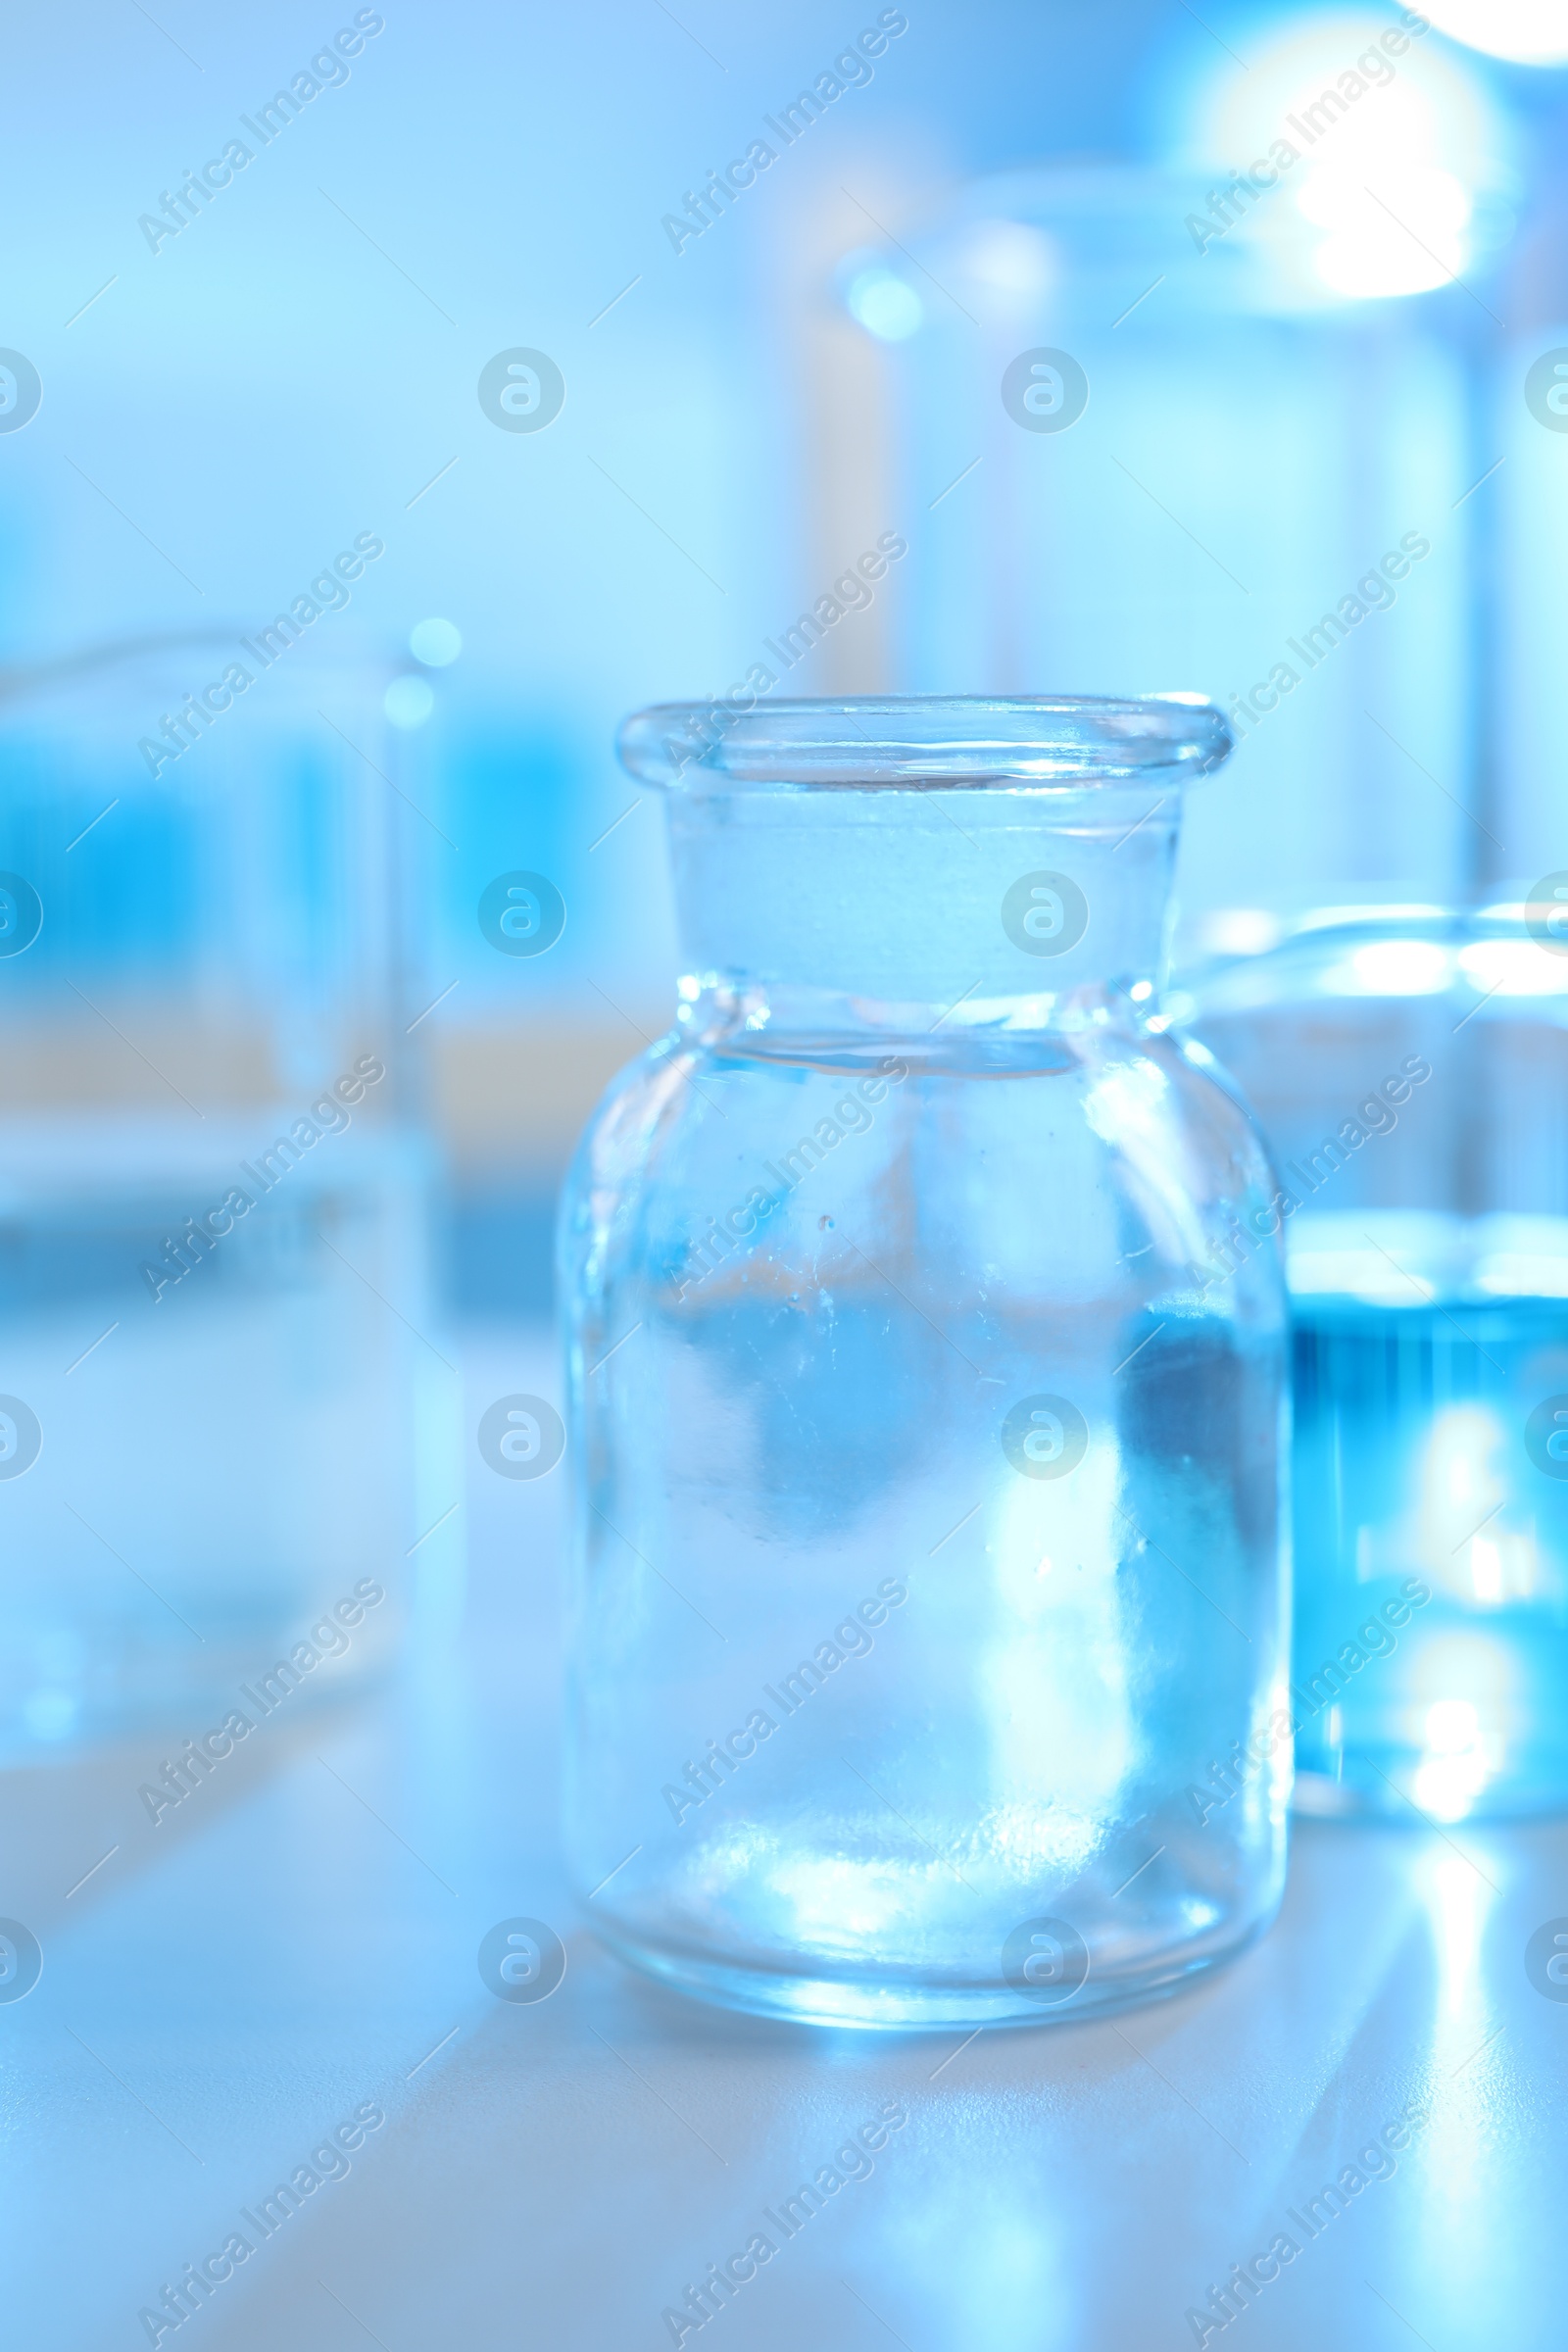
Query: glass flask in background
point(1409, 1066)
point(928, 1649)
point(212, 1225)
point(1133, 450)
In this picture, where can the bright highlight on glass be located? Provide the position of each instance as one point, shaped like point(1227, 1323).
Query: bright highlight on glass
point(1007, 258)
point(1528, 32)
point(1374, 146)
point(435, 643)
point(883, 304)
point(409, 701)
point(1394, 967)
point(1398, 231)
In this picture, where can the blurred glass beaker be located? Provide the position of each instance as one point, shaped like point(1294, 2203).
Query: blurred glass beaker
point(210, 1227)
point(1410, 1068)
point(1134, 453)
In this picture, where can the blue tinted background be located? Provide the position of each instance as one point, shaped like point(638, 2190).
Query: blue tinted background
point(300, 365)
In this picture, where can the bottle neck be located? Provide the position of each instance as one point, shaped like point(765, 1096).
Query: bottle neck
point(833, 913)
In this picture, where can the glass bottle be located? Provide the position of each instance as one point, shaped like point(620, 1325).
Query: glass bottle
point(1409, 1065)
point(927, 1653)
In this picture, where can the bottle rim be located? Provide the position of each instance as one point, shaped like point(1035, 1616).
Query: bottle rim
point(923, 742)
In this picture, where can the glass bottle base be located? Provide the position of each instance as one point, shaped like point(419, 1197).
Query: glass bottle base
point(911, 2006)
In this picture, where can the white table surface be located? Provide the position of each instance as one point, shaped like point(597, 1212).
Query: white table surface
point(229, 1986)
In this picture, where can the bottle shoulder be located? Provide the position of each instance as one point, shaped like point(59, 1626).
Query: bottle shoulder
point(687, 1108)
point(1081, 1180)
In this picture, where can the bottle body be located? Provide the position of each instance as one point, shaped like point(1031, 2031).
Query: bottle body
point(927, 1412)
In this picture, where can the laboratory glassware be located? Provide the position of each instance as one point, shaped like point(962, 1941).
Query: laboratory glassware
point(1409, 1066)
point(927, 1661)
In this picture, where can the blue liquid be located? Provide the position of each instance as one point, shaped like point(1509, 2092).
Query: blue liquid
point(1430, 1659)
